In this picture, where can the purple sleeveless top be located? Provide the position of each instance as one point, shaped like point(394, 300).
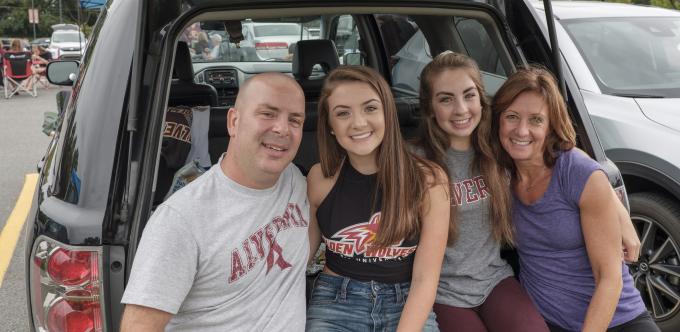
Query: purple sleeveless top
point(554, 265)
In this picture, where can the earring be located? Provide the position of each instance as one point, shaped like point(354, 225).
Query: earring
point(332, 133)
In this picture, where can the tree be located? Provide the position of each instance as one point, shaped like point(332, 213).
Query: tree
point(674, 4)
point(14, 13)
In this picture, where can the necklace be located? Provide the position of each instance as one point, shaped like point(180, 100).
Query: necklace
point(539, 180)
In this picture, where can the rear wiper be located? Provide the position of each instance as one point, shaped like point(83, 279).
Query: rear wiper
point(635, 95)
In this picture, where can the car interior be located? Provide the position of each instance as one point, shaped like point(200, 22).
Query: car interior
point(202, 79)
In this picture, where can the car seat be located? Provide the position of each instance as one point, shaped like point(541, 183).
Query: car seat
point(309, 53)
point(183, 92)
point(306, 55)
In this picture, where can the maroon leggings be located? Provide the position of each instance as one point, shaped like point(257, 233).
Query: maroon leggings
point(508, 308)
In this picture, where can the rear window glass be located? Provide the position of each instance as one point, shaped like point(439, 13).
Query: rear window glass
point(406, 40)
point(263, 41)
point(67, 37)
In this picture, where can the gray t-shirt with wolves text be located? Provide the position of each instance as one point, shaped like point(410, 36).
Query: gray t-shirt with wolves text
point(223, 257)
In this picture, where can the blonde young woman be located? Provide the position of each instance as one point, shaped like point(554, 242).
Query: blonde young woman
point(382, 212)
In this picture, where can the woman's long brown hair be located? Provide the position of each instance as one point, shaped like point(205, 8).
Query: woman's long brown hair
point(435, 141)
point(16, 46)
point(401, 177)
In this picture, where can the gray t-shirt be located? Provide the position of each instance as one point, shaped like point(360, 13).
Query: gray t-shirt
point(223, 257)
point(472, 266)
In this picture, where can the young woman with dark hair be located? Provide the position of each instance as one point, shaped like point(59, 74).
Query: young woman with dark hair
point(382, 213)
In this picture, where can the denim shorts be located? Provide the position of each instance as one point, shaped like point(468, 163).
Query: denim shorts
point(343, 304)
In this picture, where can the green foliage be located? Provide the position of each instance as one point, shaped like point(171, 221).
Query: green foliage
point(641, 2)
point(14, 17)
point(672, 4)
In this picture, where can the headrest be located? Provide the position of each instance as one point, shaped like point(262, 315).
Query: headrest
point(182, 68)
point(311, 52)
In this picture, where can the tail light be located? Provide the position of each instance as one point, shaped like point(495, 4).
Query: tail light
point(271, 46)
point(66, 287)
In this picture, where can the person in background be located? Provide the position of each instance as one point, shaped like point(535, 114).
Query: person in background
point(568, 230)
point(382, 212)
point(16, 46)
point(40, 58)
point(202, 45)
point(213, 52)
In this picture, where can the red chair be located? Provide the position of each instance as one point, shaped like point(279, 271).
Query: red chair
point(17, 68)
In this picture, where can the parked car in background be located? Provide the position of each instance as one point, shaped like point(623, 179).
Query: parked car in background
point(44, 42)
point(626, 62)
point(273, 39)
point(67, 42)
point(6, 43)
point(101, 173)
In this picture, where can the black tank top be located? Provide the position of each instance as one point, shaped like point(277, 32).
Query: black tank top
point(349, 223)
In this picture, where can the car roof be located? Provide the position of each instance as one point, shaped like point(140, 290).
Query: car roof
point(300, 3)
point(566, 10)
point(65, 31)
point(269, 23)
point(64, 26)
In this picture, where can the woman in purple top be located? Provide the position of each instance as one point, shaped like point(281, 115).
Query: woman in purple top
point(567, 231)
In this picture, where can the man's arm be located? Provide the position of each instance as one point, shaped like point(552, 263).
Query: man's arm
point(159, 282)
point(140, 318)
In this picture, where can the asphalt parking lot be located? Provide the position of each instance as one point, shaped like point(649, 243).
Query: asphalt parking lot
point(22, 145)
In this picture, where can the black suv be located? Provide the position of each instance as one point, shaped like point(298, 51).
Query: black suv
point(101, 176)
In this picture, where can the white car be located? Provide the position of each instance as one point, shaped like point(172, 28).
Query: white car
point(624, 59)
point(272, 40)
point(67, 42)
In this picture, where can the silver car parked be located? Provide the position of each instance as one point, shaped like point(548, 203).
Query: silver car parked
point(626, 62)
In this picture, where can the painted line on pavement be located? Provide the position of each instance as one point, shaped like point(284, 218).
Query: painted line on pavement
point(10, 234)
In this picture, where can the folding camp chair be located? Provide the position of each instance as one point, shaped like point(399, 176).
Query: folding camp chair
point(40, 78)
point(17, 68)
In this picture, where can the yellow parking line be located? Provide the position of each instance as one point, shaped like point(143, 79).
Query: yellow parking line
point(10, 234)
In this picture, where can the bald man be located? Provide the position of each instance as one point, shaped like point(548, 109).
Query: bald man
point(228, 252)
